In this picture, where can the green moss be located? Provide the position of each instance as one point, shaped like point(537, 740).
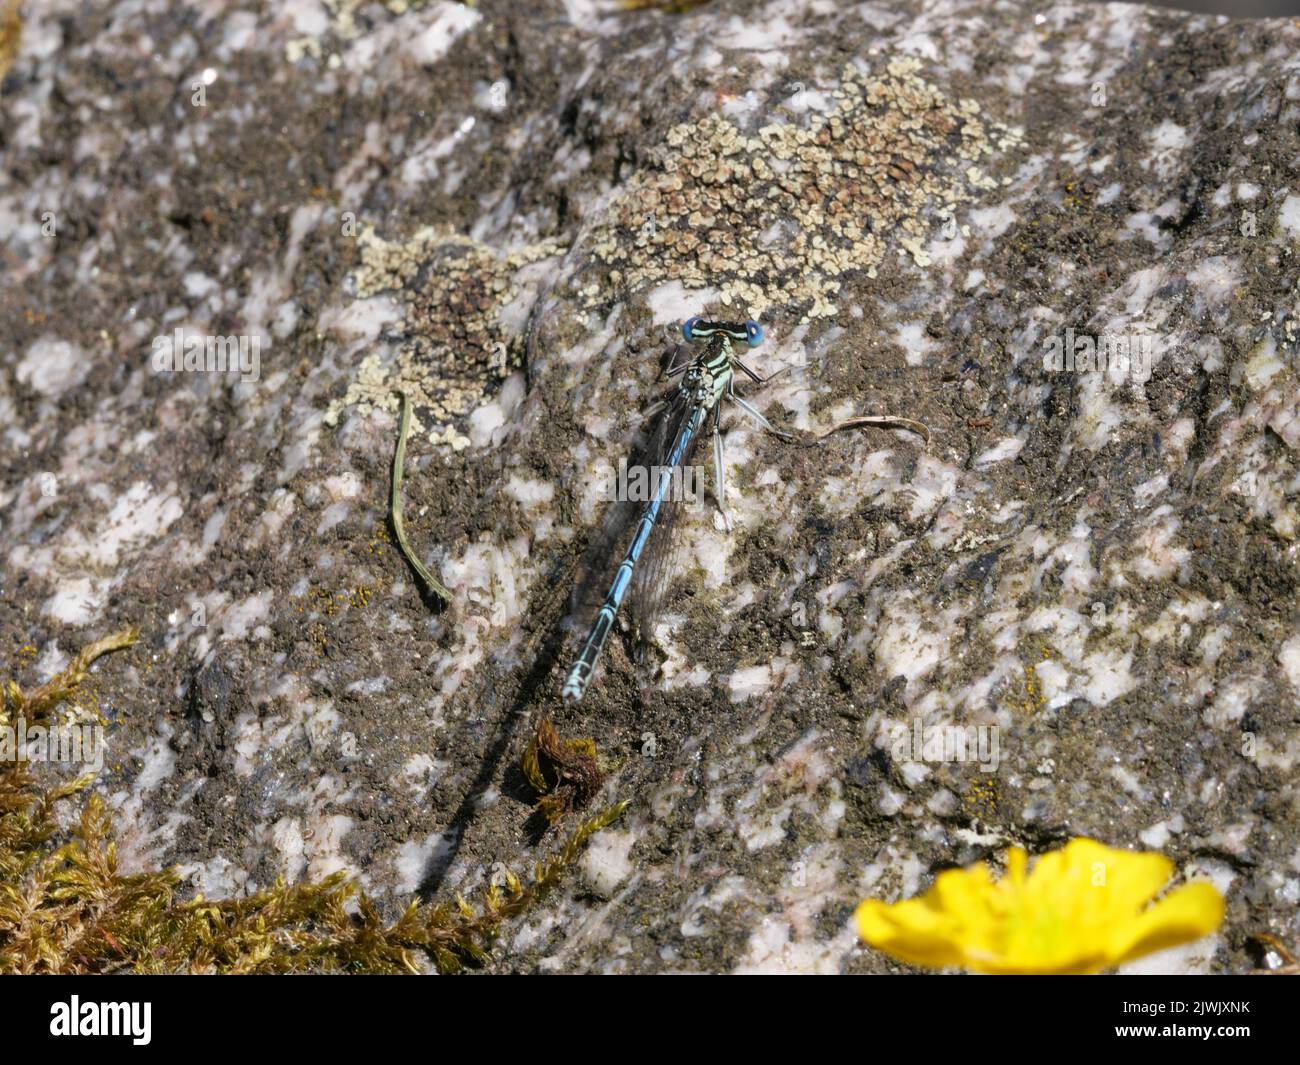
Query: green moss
point(66, 907)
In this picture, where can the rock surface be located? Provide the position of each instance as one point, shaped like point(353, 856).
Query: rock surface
point(508, 214)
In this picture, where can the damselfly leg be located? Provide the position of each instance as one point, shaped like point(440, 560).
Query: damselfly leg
point(720, 467)
point(753, 413)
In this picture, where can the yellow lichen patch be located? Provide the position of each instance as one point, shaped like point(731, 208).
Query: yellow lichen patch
point(982, 797)
point(1033, 699)
point(458, 351)
point(780, 216)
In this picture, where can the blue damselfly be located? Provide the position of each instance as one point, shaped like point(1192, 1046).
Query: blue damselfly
point(706, 380)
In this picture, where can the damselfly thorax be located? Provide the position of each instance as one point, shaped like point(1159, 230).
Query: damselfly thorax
point(709, 375)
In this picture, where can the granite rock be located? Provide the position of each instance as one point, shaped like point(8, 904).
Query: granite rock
point(1062, 236)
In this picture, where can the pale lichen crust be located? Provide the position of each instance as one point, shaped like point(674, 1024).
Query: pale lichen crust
point(456, 349)
point(776, 217)
point(780, 216)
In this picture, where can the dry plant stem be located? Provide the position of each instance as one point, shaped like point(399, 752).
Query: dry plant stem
point(881, 421)
point(864, 421)
point(430, 582)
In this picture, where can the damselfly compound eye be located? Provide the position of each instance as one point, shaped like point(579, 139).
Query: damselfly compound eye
point(754, 332)
point(687, 329)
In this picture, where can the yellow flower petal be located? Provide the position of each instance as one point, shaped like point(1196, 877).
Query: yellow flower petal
point(1082, 908)
point(1185, 914)
point(911, 931)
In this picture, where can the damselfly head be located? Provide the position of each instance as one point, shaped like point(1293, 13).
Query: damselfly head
point(697, 329)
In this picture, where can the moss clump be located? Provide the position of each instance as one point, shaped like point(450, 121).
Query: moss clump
point(65, 906)
point(564, 772)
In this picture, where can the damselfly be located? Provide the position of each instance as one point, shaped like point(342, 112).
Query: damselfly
point(706, 380)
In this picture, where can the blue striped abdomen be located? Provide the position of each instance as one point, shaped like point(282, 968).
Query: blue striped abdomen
point(575, 685)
